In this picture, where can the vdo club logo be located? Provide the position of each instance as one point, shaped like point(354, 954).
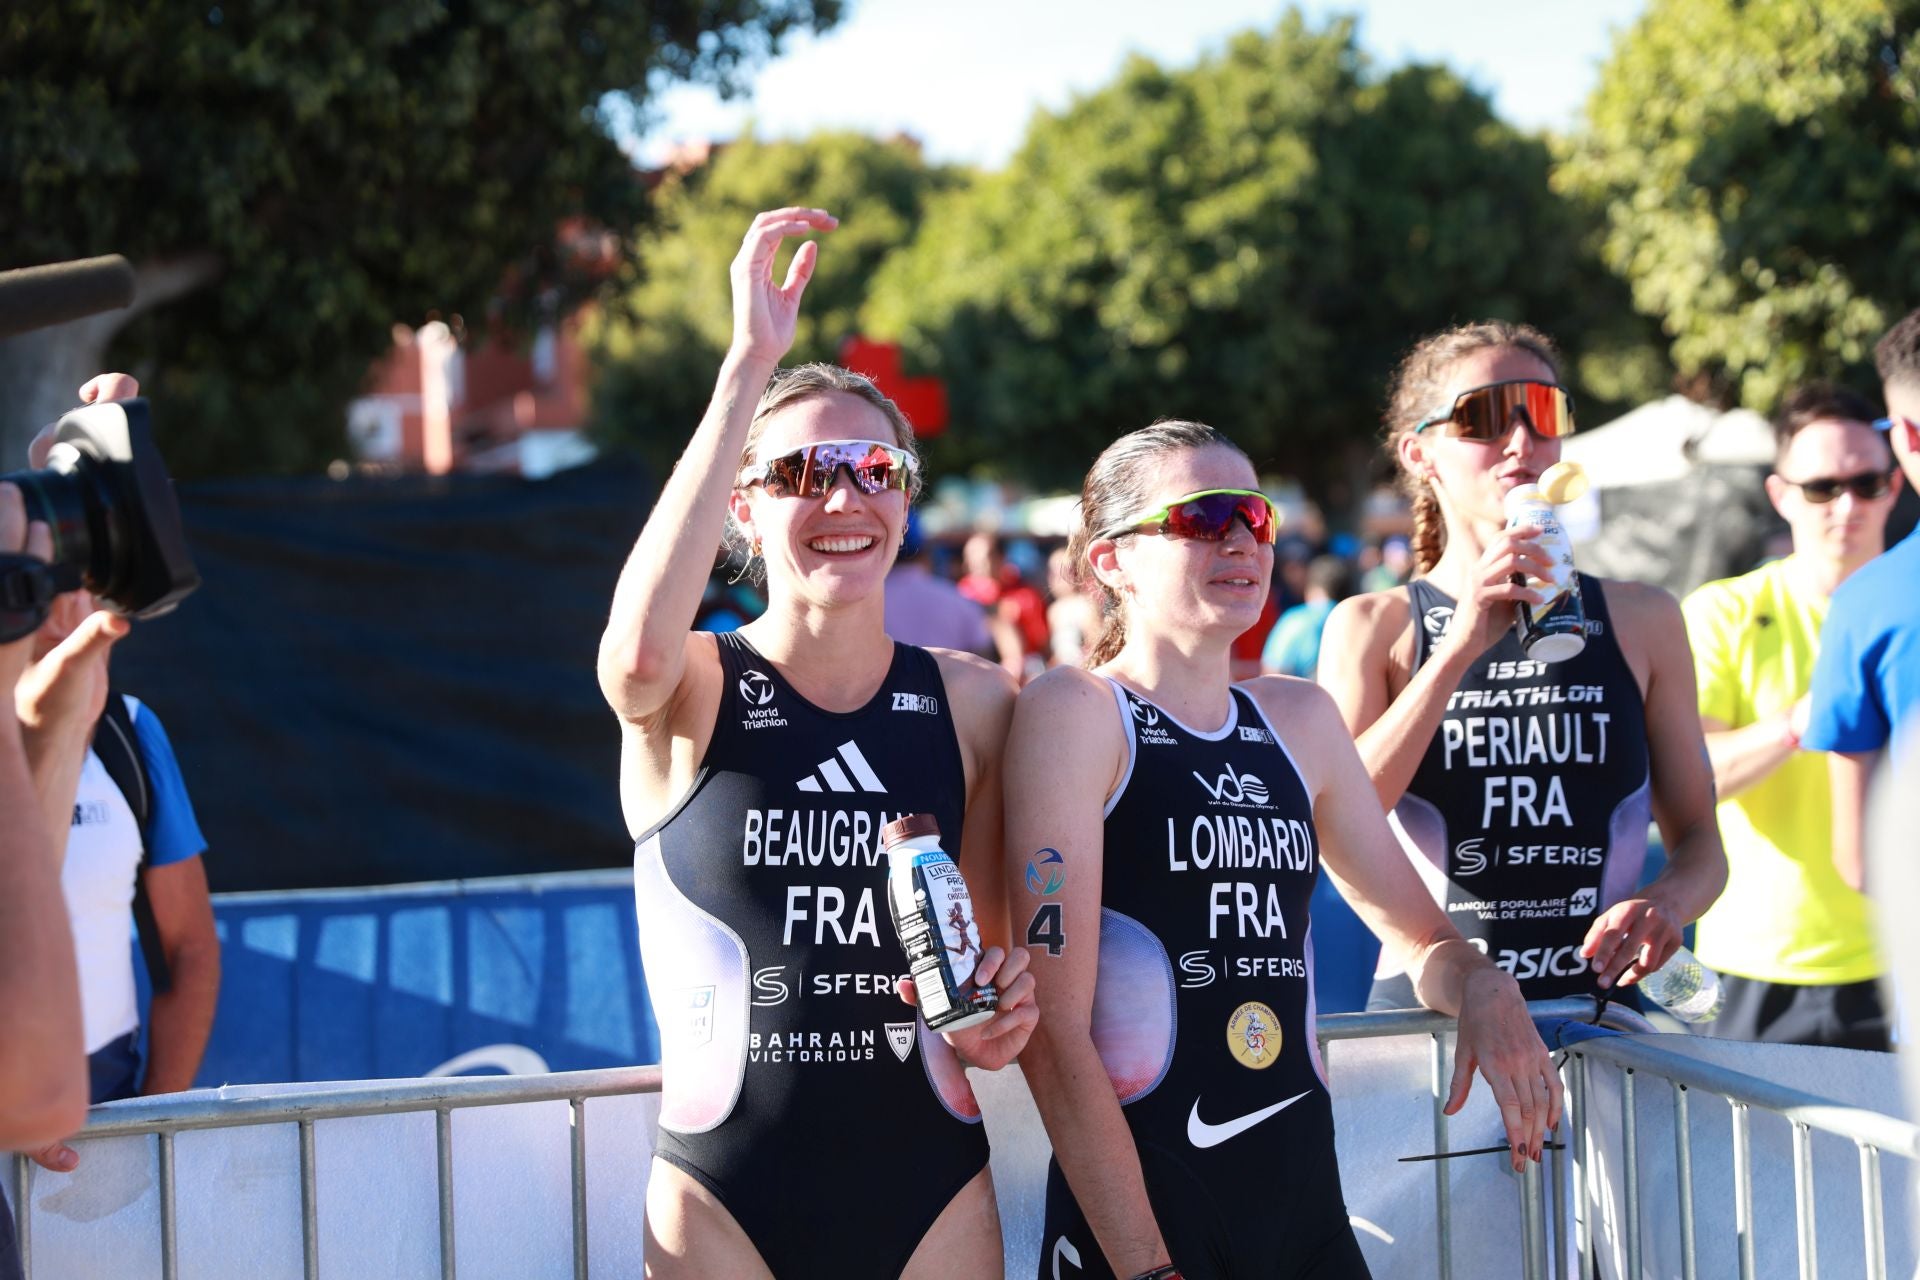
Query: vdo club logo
point(1235, 788)
point(756, 688)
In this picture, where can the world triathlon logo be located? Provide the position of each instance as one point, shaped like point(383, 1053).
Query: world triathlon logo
point(756, 688)
point(1142, 712)
point(1046, 872)
point(1437, 619)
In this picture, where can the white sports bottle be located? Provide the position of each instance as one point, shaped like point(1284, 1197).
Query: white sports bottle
point(933, 916)
point(1556, 630)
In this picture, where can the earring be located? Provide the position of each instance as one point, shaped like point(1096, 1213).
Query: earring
point(753, 548)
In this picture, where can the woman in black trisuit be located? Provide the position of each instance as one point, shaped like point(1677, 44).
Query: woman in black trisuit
point(1521, 789)
point(810, 1125)
point(1166, 827)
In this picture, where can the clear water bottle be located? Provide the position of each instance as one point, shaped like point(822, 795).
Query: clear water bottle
point(1685, 988)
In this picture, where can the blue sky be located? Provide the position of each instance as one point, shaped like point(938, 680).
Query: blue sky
point(965, 78)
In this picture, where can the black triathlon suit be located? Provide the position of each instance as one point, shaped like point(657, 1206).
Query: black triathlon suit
point(1203, 1010)
point(798, 1088)
point(1528, 815)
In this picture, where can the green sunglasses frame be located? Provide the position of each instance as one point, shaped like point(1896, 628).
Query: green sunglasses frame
point(1155, 521)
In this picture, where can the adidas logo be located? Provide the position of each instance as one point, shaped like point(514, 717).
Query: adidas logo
point(836, 777)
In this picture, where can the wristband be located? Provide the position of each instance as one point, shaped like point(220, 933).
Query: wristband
point(1168, 1272)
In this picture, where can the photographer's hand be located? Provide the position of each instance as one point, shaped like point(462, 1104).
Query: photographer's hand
point(59, 698)
point(98, 389)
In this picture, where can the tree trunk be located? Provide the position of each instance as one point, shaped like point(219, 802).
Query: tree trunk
point(41, 372)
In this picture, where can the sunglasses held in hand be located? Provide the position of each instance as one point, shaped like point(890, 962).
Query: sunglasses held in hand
point(1488, 413)
point(808, 472)
point(1207, 516)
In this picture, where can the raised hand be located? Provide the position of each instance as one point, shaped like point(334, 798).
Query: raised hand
point(764, 313)
point(1485, 611)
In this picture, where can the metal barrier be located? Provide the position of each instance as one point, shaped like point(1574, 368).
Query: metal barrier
point(166, 1116)
point(1570, 1167)
point(1873, 1134)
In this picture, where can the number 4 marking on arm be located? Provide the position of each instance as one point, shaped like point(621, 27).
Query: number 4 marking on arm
point(1045, 930)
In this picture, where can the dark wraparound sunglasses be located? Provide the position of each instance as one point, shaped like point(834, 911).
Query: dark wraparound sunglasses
point(1865, 487)
point(809, 472)
point(1207, 516)
point(1489, 412)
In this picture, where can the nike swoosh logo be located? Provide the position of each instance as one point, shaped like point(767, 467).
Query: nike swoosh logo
point(1202, 1134)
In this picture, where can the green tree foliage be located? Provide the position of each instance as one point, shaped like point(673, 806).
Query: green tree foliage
point(309, 173)
point(1252, 242)
point(657, 354)
point(1759, 161)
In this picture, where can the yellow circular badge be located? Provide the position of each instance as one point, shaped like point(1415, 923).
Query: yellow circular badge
point(1253, 1036)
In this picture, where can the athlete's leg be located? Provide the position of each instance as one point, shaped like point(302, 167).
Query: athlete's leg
point(691, 1236)
point(964, 1241)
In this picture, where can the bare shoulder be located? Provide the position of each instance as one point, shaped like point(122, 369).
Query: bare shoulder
point(1066, 691)
point(1300, 710)
point(1066, 706)
point(1374, 619)
point(1647, 617)
point(972, 678)
point(1309, 723)
point(1639, 601)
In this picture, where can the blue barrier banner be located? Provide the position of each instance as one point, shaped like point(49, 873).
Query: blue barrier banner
point(517, 974)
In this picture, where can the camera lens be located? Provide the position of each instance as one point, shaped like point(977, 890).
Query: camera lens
point(116, 524)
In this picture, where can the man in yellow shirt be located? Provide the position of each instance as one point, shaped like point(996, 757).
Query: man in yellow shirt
point(1792, 942)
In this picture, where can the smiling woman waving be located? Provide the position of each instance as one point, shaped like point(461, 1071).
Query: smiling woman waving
point(810, 1124)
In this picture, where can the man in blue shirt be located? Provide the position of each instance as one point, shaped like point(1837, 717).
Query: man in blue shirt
point(1867, 682)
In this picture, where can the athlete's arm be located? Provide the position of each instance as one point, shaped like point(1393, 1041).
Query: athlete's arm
point(1634, 937)
point(1372, 873)
point(644, 649)
point(1064, 756)
point(1848, 774)
point(1392, 731)
point(982, 696)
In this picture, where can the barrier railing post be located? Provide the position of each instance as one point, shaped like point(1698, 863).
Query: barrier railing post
point(1683, 1174)
point(1582, 1166)
point(169, 1223)
point(1442, 1184)
point(1630, 1157)
point(1743, 1188)
point(309, 1204)
point(443, 1158)
point(1872, 1206)
point(1557, 1194)
point(1803, 1202)
point(23, 1213)
point(578, 1114)
point(1533, 1226)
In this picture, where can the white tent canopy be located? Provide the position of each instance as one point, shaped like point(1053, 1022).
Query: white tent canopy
point(1650, 444)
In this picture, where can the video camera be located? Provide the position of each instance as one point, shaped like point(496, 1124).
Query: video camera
point(104, 492)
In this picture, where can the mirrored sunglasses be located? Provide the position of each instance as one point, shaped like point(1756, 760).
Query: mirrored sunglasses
point(1208, 516)
point(1489, 412)
point(808, 472)
point(1865, 487)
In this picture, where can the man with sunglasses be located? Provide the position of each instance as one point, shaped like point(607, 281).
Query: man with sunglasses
point(1791, 939)
point(1866, 688)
